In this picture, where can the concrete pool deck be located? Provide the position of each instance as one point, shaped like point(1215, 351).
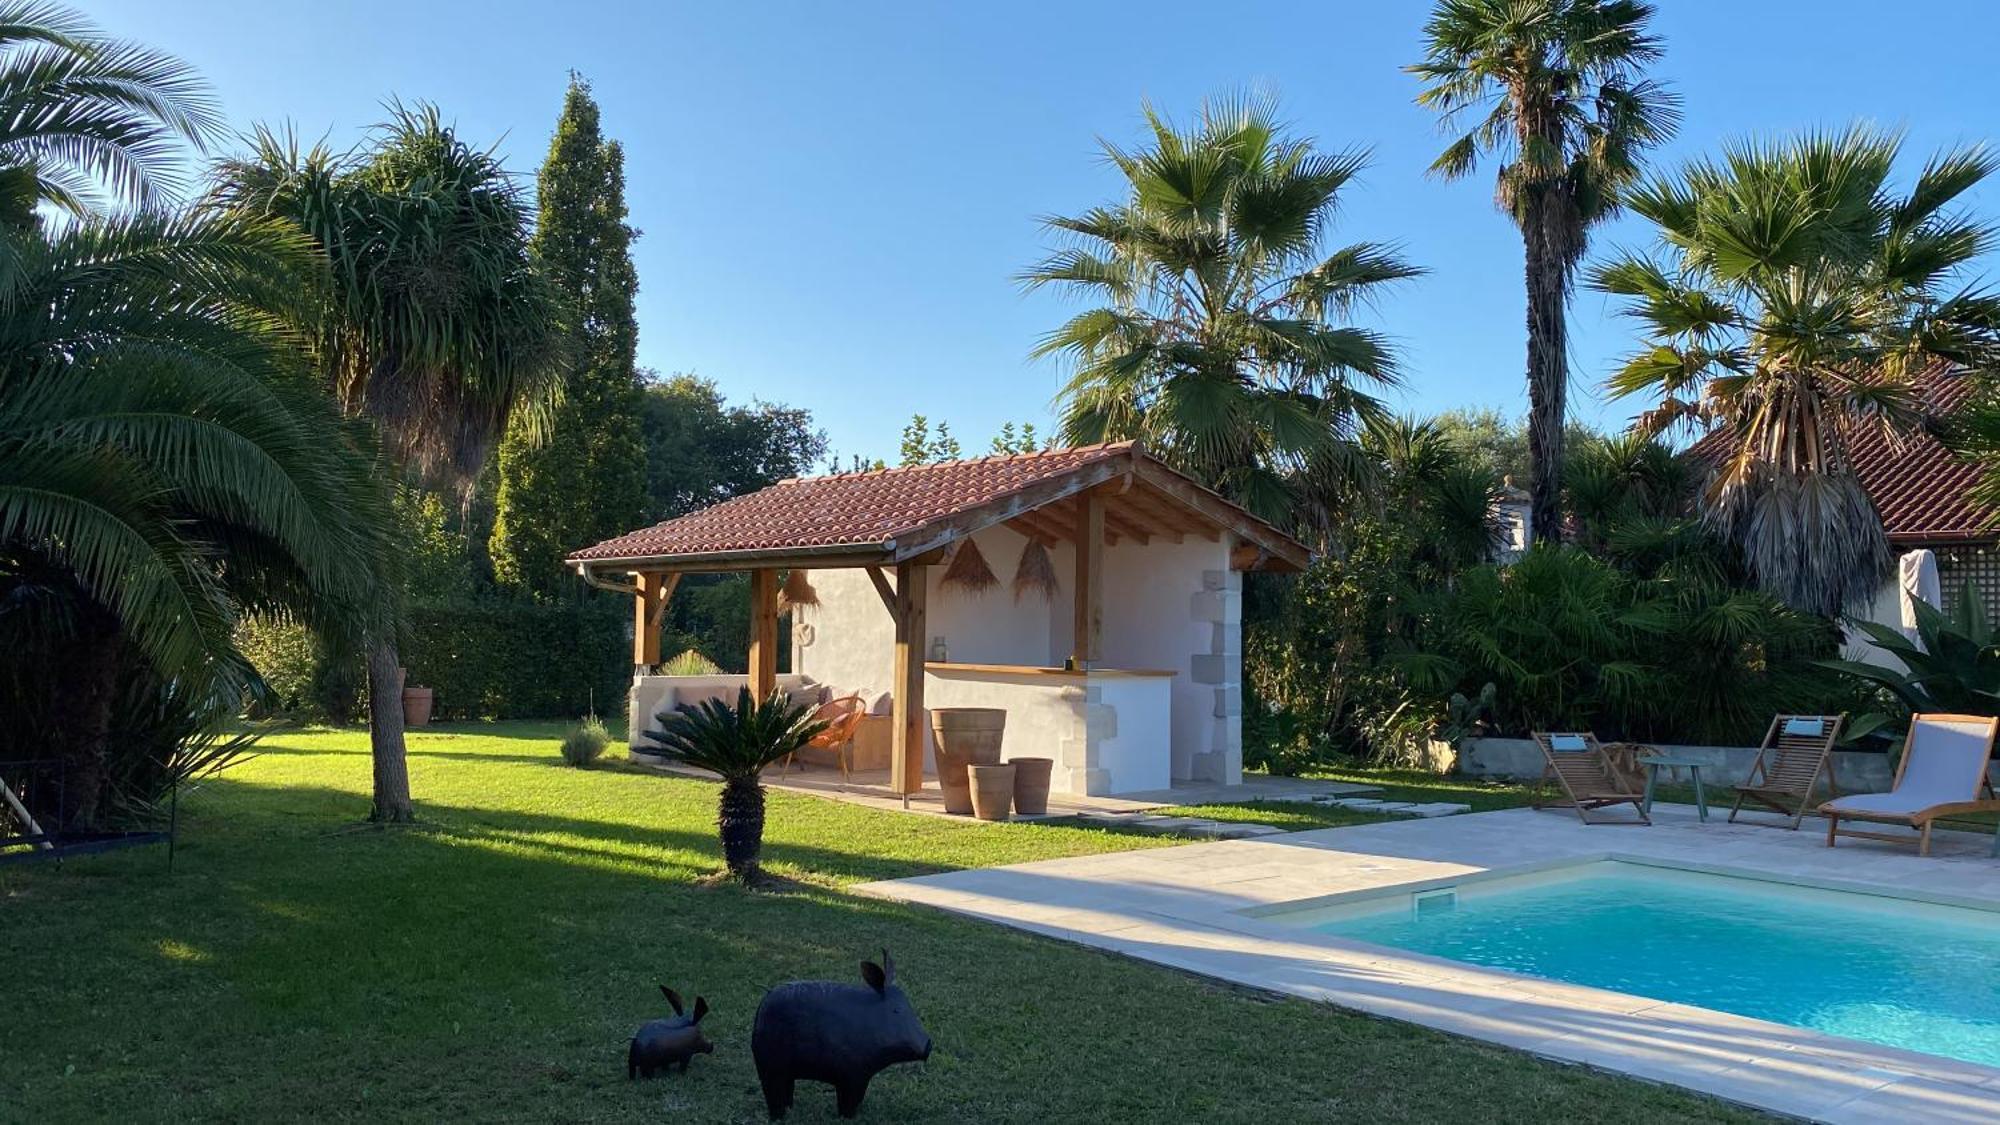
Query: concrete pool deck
point(1196, 908)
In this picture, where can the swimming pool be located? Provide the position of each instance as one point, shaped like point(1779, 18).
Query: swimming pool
point(1916, 975)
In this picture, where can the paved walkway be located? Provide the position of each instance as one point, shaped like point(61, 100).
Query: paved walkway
point(1195, 908)
point(871, 788)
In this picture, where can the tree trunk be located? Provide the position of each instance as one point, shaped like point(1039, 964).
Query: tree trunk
point(1548, 361)
point(85, 705)
point(385, 734)
point(740, 822)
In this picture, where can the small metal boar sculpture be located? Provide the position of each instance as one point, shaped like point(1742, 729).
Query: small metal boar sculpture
point(660, 1044)
point(841, 1034)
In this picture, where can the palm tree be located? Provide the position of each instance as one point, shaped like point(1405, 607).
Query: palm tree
point(434, 321)
point(1795, 296)
point(1219, 339)
point(86, 120)
point(735, 744)
point(166, 463)
point(1562, 105)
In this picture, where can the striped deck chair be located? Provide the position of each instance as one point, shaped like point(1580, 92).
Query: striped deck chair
point(1576, 762)
point(1797, 752)
point(1943, 773)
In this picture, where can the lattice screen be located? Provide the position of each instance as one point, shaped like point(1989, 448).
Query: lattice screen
point(1980, 565)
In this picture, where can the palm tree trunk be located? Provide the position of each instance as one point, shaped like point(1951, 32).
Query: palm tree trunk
point(87, 697)
point(1548, 361)
point(740, 822)
point(385, 734)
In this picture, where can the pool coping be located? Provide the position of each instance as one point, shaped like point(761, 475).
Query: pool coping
point(1205, 908)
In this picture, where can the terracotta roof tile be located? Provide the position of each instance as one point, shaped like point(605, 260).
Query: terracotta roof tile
point(847, 509)
point(1920, 487)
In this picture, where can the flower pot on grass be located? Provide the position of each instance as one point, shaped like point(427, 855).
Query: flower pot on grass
point(1031, 785)
point(417, 702)
point(992, 790)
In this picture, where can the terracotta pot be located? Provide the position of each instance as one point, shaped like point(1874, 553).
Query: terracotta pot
point(1031, 785)
point(417, 703)
point(964, 736)
point(971, 734)
point(992, 790)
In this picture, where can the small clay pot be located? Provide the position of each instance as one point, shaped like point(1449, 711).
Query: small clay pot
point(992, 790)
point(417, 703)
point(1031, 785)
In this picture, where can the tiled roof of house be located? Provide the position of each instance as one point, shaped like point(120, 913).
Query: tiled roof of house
point(877, 509)
point(1921, 488)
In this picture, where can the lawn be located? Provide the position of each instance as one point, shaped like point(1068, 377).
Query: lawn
point(492, 963)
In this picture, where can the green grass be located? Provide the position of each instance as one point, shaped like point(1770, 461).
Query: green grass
point(491, 965)
point(1394, 785)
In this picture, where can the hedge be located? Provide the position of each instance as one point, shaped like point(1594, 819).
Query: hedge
point(521, 660)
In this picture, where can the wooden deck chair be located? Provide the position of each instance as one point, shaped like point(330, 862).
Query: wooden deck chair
point(1576, 762)
point(1797, 752)
point(842, 717)
point(1943, 773)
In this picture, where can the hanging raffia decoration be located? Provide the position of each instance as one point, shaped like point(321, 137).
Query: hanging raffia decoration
point(968, 570)
point(1035, 573)
point(796, 592)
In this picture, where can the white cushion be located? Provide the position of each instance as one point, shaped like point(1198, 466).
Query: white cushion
point(1568, 742)
point(1810, 728)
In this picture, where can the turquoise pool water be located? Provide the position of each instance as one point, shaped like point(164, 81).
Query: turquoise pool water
point(1893, 971)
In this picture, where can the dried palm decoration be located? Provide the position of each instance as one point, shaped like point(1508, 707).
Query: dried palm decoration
point(796, 592)
point(968, 570)
point(1035, 573)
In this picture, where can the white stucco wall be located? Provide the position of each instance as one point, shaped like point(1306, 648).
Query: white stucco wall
point(1149, 622)
point(651, 695)
point(1127, 742)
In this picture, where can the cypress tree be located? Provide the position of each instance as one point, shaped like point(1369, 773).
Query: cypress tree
point(585, 480)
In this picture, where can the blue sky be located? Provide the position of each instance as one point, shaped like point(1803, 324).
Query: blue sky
point(836, 197)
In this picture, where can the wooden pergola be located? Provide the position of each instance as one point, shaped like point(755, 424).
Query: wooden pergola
point(904, 520)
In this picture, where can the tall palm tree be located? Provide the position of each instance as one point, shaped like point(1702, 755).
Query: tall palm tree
point(433, 321)
point(86, 120)
point(1794, 296)
point(166, 463)
point(1220, 338)
point(1561, 101)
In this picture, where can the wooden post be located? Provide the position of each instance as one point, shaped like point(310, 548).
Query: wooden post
point(763, 634)
point(906, 759)
point(649, 612)
point(1089, 593)
point(645, 636)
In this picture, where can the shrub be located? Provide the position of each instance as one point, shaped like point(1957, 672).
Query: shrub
point(735, 744)
point(585, 742)
point(1570, 641)
point(690, 663)
point(509, 659)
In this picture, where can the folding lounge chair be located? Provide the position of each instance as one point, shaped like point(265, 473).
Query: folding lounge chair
point(1797, 752)
point(1577, 763)
point(1943, 773)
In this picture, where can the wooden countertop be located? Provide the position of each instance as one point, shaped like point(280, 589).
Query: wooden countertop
point(1033, 670)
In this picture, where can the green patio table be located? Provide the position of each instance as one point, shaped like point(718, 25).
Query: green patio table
point(1654, 763)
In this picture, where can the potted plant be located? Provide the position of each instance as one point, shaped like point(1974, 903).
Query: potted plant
point(735, 744)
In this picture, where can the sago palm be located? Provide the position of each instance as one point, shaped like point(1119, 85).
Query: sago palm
point(433, 320)
point(1219, 337)
point(735, 744)
point(165, 463)
point(86, 120)
point(1794, 296)
point(1558, 91)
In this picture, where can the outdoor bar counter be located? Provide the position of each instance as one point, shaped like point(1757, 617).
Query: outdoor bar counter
point(1106, 728)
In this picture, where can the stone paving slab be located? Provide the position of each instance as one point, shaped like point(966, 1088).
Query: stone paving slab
point(1205, 908)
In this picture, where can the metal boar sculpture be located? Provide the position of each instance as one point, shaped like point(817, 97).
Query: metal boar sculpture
point(660, 1044)
point(840, 1034)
